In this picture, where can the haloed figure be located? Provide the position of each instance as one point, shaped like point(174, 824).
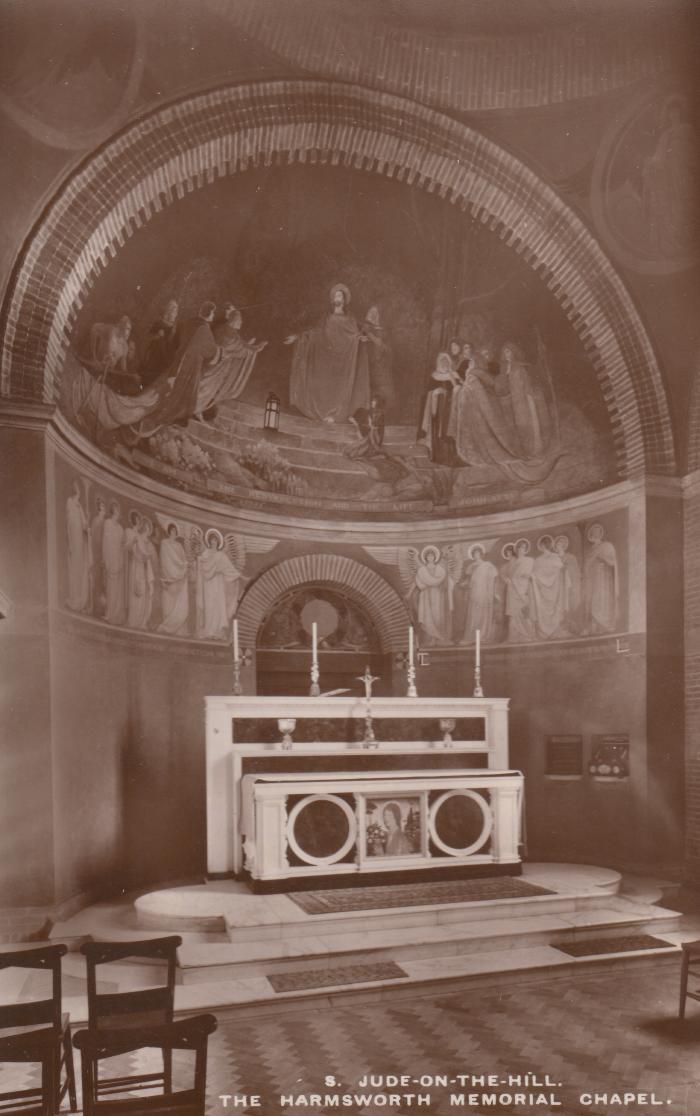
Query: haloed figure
point(397, 843)
point(330, 369)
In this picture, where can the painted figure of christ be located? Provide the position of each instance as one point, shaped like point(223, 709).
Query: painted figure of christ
point(330, 368)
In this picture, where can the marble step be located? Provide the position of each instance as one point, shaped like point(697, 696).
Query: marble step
point(460, 914)
point(201, 962)
point(253, 994)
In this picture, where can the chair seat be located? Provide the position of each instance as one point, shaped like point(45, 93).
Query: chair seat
point(36, 1034)
point(122, 1020)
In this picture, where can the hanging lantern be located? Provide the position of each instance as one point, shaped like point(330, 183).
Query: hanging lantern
point(272, 412)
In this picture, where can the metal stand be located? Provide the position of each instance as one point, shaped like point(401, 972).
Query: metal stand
point(411, 690)
point(478, 692)
point(315, 689)
point(369, 741)
point(286, 725)
point(244, 659)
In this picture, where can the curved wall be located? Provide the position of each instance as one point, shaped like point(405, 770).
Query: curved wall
point(130, 805)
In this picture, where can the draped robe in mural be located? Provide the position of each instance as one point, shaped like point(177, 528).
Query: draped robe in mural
point(227, 378)
point(79, 551)
point(481, 431)
point(520, 626)
point(97, 569)
point(174, 598)
point(600, 587)
point(142, 577)
point(218, 590)
point(113, 557)
point(481, 577)
point(177, 388)
point(435, 598)
point(530, 411)
point(330, 373)
point(548, 593)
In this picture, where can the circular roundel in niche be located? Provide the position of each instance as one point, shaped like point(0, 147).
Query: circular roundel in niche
point(460, 822)
point(322, 613)
point(321, 829)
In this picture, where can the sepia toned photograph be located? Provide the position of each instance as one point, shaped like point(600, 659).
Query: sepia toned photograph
point(349, 550)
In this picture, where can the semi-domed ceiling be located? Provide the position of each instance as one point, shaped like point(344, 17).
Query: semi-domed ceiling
point(349, 409)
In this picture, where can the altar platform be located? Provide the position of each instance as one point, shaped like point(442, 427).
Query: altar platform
point(257, 953)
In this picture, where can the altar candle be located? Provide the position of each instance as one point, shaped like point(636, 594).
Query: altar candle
point(410, 645)
point(478, 647)
point(235, 640)
point(314, 641)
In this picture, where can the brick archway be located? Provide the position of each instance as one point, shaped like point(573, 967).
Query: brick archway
point(358, 582)
point(186, 145)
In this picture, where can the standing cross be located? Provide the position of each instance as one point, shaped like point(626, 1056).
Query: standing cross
point(368, 679)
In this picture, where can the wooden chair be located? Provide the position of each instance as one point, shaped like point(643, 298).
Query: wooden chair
point(17, 1019)
point(39, 1046)
point(185, 1034)
point(144, 1007)
point(690, 966)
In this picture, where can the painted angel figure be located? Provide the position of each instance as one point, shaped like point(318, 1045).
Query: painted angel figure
point(600, 582)
point(174, 581)
point(219, 581)
point(79, 552)
point(480, 579)
point(429, 591)
point(143, 573)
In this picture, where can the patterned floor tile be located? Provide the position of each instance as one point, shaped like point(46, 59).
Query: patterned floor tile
point(595, 1037)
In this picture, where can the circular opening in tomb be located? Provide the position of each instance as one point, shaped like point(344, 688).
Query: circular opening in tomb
point(460, 822)
point(321, 829)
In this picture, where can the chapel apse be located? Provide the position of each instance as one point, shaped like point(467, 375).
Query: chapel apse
point(444, 377)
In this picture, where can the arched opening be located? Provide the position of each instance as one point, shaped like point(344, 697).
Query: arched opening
point(347, 642)
point(363, 620)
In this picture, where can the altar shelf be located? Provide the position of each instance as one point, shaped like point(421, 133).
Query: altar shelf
point(299, 795)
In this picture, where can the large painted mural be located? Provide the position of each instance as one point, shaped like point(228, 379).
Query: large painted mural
point(328, 339)
point(136, 567)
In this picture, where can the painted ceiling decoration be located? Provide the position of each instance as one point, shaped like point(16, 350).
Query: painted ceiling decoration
point(189, 144)
point(401, 49)
point(74, 84)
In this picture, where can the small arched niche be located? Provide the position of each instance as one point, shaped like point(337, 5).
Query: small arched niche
point(347, 642)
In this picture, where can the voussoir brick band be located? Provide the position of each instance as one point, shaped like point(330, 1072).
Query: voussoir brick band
point(358, 582)
point(186, 145)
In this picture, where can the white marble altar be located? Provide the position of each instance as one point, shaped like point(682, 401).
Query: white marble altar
point(265, 755)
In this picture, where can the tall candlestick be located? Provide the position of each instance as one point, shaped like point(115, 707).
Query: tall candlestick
point(478, 692)
point(315, 689)
point(411, 690)
point(236, 652)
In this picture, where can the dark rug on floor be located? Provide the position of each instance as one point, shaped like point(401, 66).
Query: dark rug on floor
point(612, 945)
point(327, 978)
point(341, 899)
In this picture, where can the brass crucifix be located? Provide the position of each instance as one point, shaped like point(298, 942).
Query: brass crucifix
point(368, 679)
